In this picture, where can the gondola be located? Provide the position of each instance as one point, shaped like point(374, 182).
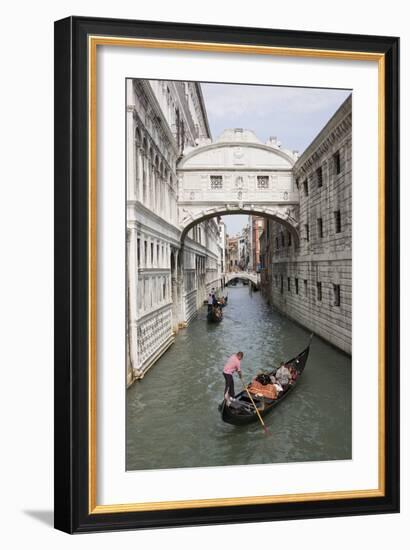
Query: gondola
point(223, 303)
point(215, 316)
point(241, 411)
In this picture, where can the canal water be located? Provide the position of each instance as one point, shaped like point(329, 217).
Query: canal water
point(172, 414)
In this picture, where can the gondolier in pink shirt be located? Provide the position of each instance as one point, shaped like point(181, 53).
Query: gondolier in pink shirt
point(232, 365)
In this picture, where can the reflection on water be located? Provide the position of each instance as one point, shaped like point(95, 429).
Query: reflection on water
point(172, 414)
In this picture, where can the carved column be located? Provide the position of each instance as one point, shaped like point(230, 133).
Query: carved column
point(152, 185)
point(131, 153)
point(160, 191)
point(146, 180)
point(140, 174)
point(132, 276)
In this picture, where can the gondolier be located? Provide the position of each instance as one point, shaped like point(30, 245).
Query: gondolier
point(246, 408)
point(210, 302)
point(232, 365)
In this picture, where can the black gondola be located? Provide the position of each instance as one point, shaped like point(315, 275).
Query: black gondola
point(215, 315)
point(241, 411)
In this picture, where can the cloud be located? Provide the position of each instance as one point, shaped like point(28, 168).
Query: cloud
point(294, 115)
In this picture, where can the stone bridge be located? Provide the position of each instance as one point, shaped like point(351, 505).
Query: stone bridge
point(249, 275)
point(238, 174)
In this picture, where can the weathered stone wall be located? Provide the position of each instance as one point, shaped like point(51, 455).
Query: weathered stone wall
point(312, 283)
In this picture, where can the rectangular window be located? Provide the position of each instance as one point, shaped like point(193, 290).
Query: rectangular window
point(145, 253)
point(305, 284)
point(138, 252)
point(289, 238)
point(336, 295)
point(152, 254)
point(277, 242)
point(307, 231)
point(282, 237)
point(288, 284)
point(337, 163)
point(216, 182)
point(306, 187)
point(319, 291)
point(281, 284)
point(157, 254)
point(276, 280)
point(296, 285)
point(338, 221)
point(320, 227)
point(263, 182)
point(319, 175)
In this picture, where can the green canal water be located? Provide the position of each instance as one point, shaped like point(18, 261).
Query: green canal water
point(172, 414)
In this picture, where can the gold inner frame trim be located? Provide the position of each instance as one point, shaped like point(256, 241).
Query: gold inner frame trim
point(93, 42)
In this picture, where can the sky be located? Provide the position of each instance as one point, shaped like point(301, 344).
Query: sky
point(294, 115)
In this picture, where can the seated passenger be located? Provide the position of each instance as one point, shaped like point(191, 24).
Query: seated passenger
point(283, 375)
point(293, 375)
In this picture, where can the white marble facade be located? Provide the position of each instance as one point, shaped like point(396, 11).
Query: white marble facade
point(168, 278)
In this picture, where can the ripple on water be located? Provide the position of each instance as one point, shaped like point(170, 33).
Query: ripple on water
point(172, 414)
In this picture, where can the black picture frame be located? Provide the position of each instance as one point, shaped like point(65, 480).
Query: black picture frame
point(71, 493)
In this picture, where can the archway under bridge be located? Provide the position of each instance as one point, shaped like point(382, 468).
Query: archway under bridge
point(251, 276)
point(282, 215)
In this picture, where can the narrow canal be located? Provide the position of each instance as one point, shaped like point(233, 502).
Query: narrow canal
point(172, 414)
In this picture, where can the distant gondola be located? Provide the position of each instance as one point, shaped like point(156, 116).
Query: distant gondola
point(215, 315)
point(241, 411)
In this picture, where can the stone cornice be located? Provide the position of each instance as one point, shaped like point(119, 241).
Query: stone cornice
point(199, 248)
point(154, 270)
point(202, 106)
point(243, 144)
point(215, 170)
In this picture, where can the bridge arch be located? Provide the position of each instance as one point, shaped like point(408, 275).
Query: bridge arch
point(250, 276)
point(283, 215)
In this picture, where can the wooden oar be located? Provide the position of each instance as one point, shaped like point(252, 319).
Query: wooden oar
point(256, 408)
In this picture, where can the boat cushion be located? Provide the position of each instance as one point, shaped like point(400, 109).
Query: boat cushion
point(268, 390)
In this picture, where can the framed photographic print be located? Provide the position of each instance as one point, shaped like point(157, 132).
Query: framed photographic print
point(226, 274)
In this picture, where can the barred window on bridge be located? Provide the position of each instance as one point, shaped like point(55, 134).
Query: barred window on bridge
point(263, 182)
point(216, 182)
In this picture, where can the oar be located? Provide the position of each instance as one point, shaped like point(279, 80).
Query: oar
point(265, 429)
